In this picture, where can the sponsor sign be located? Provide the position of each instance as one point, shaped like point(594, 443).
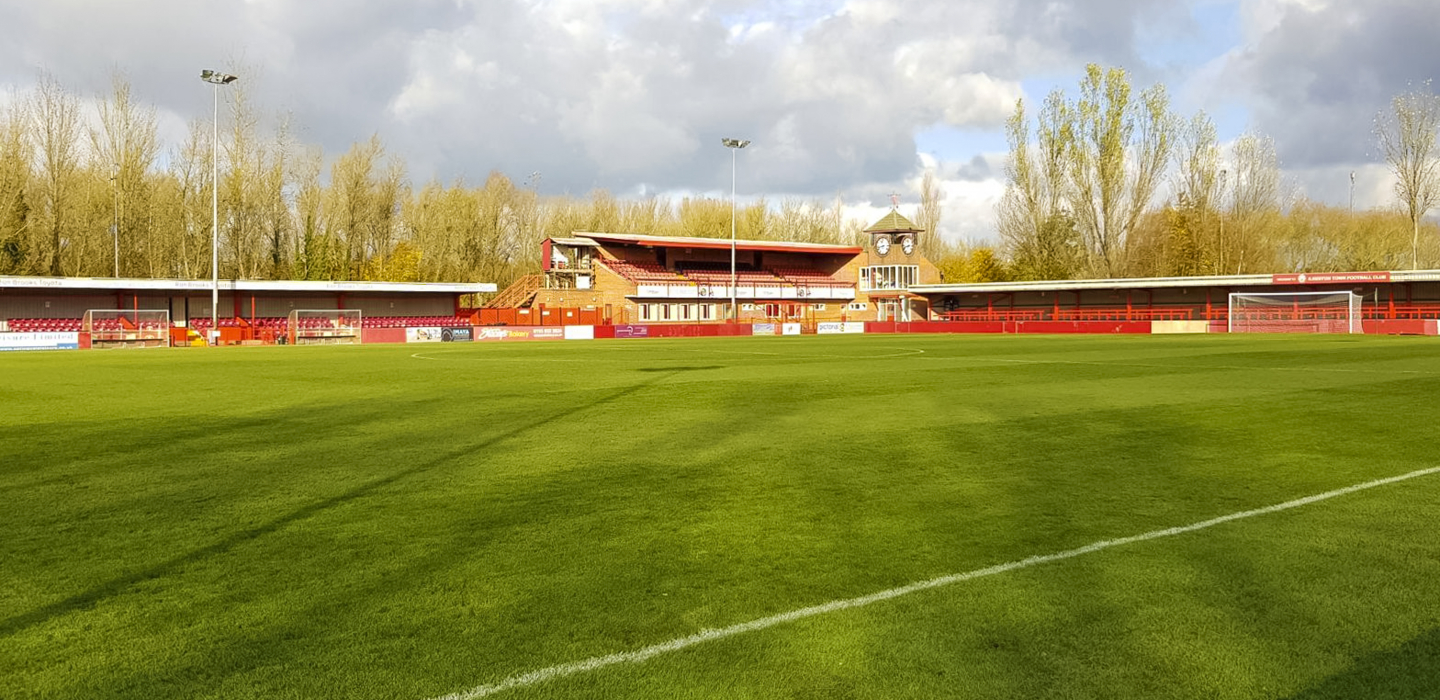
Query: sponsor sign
point(767, 292)
point(493, 333)
point(651, 291)
point(762, 329)
point(790, 329)
point(456, 335)
point(837, 327)
point(423, 335)
point(1331, 278)
point(632, 331)
point(579, 332)
point(39, 341)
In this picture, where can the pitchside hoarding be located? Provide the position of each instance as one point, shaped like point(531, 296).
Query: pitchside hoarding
point(501, 333)
point(632, 331)
point(39, 341)
point(422, 335)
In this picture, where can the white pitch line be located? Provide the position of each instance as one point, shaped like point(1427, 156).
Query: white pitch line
point(639, 655)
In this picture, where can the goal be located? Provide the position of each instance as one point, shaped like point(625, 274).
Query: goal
point(324, 327)
point(1295, 312)
point(126, 328)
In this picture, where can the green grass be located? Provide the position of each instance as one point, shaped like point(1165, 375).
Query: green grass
point(363, 523)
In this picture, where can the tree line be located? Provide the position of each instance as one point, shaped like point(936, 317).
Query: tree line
point(90, 191)
point(1084, 175)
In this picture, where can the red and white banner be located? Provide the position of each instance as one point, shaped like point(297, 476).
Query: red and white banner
point(1331, 278)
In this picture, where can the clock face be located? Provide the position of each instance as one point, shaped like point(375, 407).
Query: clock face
point(882, 244)
point(907, 244)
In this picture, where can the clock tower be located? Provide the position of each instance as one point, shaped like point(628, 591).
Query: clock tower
point(894, 240)
point(893, 263)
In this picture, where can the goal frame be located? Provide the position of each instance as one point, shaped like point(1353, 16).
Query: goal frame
point(1298, 321)
point(334, 327)
point(126, 328)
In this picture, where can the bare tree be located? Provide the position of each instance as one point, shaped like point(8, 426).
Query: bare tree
point(931, 212)
point(1409, 136)
point(1196, 183)
point(126, 143)
point(55, 136)
point(1254, 196)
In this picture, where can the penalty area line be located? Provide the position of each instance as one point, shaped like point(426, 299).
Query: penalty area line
point(639, 655)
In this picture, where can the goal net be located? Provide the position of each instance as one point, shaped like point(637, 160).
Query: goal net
point(1295, 312)
point(324, 326)
point(126, 328)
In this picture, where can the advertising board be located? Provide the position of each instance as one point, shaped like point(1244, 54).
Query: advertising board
point(632, 331)
point(1330, 278)
point(456, 335)
point(39, 341)
point(423, 335)
point(839, 327)
point(495, 333)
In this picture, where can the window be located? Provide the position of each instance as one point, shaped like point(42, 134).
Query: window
point(857, 306)
point(645, 313)
point(817, 307)
point(889, 276)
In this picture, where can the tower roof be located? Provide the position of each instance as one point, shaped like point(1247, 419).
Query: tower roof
point(892, 222)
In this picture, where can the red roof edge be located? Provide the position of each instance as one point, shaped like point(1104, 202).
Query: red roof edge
point(723, 244)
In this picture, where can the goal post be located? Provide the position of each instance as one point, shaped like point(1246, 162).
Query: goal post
point(324, 327)
point(126, 328)
point(1295, 312)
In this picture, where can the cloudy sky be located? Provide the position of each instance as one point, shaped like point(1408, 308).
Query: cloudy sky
point(847, 97)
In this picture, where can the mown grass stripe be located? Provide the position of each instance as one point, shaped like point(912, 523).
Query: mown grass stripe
point(646, 653)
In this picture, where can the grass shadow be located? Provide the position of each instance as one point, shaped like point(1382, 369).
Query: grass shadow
point(1411, 670)
point(107, 589)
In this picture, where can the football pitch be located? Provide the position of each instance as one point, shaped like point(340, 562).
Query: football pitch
point(814, 517)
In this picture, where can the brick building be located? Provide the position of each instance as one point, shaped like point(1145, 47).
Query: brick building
point(613, 278)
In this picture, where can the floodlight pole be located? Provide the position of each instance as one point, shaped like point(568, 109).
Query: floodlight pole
point(217, 79)
point(734, 145)
point(115, 225)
